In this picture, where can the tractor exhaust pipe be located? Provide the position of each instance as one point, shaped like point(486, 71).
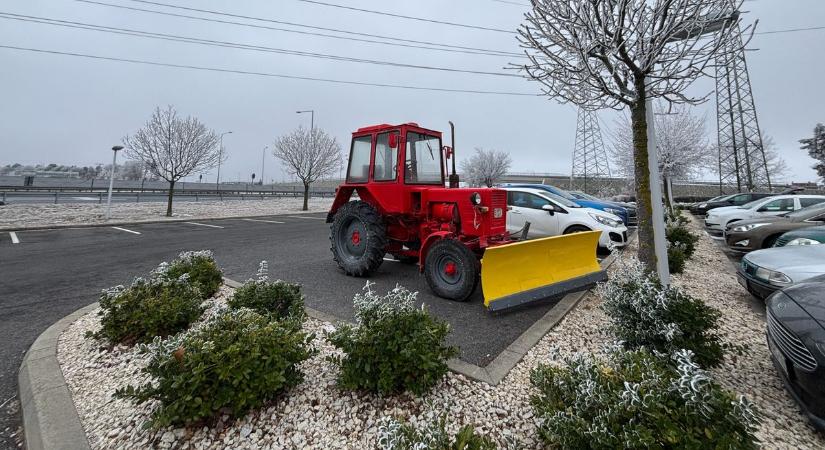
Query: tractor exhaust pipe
point(453, 175)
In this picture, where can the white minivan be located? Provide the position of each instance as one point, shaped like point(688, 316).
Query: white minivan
point(552, 215)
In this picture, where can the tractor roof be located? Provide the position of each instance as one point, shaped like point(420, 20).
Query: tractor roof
point(386, 126)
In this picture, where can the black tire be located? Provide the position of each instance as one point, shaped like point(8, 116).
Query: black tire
point(769, 241)
point(358, 237)
point(451, 270)
point(576, 229)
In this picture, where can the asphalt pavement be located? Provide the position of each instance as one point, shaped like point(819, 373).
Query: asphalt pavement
point(47, 274)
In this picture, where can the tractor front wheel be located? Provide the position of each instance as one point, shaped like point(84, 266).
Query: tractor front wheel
point(451, 270)
point(358, 237)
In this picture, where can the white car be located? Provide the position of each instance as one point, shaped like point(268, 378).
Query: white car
point(719, 218)
point(552, 215)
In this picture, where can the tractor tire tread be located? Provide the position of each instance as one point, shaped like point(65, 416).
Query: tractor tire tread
point(376, 238)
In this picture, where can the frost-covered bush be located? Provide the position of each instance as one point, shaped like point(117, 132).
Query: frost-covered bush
point(157, 306)
point(399, 435)
point(235, 362)
point(682, 237)
point(644, 314)
point(395, 346)
point(201, 267)
point(277, 299)
point(676, 258)
point(636, 400)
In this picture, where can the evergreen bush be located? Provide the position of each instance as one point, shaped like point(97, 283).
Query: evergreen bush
point(277, 299)
point(394, 346)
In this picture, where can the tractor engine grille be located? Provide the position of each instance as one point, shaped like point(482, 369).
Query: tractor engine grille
point(499, 200)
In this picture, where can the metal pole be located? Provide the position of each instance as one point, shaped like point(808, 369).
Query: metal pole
point(263, 160)
point(659, 242)
point(112, 181)
point(220, 159)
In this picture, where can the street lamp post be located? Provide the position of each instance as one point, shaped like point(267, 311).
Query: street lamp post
point(115, 149)
point(263, 159)
point(220, 158)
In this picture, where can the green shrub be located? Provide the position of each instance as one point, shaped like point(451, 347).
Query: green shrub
point(635, 400)
point(676, 258)
point(394, 347)
point(643, 314)
point(277, 299)
point(238, 360)
point(684, 238)
point(158, 306)
point(201, 267)
point(399, 435)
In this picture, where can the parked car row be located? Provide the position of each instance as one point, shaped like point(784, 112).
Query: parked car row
point(550, 214)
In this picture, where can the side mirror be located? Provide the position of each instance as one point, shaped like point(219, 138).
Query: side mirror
point(549, 208)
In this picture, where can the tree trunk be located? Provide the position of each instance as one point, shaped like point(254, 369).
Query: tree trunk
point(169, 200)
point(306, 197)
point(646, 252)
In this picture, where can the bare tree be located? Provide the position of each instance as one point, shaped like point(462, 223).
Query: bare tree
point(816, 149)
point(309, 155)
point(618, 53)
point(683, 149)
point(172, 147)
point(486, 167)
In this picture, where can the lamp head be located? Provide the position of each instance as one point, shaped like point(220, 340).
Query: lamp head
point(117, 148)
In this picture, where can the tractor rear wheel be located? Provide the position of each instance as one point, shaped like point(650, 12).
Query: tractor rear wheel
point(451, 270)
point(358, 237)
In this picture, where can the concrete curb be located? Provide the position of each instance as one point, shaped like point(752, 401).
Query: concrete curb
point(50, 419)
point(141, 222)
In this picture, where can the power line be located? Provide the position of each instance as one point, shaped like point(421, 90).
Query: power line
point(410, 43)
point(265, 74)
point(401, 16)
point(790, 30)
point(226, 44)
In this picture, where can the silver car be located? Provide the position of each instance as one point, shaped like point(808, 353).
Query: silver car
point(764, 271)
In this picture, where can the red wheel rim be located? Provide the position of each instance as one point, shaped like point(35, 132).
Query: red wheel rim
point(356, 237)
point(449, 269)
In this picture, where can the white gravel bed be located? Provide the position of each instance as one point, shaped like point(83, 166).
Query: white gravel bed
point(316, 414)
point(38, 215)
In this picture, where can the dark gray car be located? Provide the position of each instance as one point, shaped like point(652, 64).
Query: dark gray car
point(755, 234)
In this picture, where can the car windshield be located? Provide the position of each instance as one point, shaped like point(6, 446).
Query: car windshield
point(804, 213)
point(559, 199)
point(720, 198)
point(583, 196)
point(753, 204)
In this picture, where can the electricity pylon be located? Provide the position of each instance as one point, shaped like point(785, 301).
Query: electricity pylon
point(591, 171)
point(742, 163)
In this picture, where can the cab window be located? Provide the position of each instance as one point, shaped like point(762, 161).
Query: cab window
point(386, 158)
point(423, 163)
point(810, 201)
point(359, 160)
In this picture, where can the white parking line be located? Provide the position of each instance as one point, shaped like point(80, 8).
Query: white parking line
point(307, 217)
point(124, 229)
point(203, 225)
point(261, 220)
point(13, 236)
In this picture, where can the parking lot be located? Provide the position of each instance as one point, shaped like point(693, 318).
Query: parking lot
point(47, 274)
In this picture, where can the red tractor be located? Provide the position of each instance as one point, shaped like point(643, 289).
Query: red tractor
point(405, 209)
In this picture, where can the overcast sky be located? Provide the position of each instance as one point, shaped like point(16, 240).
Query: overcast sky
point(71, 110)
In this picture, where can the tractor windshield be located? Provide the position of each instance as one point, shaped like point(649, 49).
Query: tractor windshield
point(423, 163)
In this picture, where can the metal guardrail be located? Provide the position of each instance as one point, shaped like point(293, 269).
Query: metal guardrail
point(143, 194)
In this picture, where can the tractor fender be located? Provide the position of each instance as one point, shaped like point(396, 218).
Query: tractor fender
point(428, 242)
point(343, 194)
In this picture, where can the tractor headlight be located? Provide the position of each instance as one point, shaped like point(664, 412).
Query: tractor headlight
point(604, 220)
point(743, 228)
point(475, 198)
point(773, 277)
point(803, 241)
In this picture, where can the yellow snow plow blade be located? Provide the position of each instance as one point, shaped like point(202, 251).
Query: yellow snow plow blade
point(526, 271)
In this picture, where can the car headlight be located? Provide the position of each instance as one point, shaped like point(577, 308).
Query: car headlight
point(703, 205)
point(604, 220)
point(773, 277)
point(615, 211)
point(803, 241)
point(743, 228)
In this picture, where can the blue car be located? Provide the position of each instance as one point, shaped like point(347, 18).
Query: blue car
point(628, 217)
